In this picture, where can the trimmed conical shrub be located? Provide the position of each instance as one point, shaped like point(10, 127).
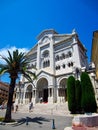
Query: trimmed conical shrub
point(78, 95)
point(88, 102)
point(71, 94)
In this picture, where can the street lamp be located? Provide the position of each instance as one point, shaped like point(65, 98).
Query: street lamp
point(19, 85)
point(77, 72)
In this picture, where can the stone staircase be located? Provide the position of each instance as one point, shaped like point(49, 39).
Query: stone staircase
point(45, 108)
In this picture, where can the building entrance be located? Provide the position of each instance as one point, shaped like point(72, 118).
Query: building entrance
point(42, 89)
point(62, 90)
point(45, 95)
point(28, 94)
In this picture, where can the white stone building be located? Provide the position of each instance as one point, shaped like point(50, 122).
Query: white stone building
point(56, 57)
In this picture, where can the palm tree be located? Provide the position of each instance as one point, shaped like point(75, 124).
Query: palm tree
point(16, 63)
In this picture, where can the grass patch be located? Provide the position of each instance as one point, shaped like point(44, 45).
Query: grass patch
point(2, 119)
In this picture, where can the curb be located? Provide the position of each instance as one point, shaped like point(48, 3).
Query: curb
point(10, 123)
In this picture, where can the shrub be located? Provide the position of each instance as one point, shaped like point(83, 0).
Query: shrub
point(88, 101)
point(71, 94)
point(78, 95)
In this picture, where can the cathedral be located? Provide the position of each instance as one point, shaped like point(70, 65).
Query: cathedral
point(55, 57)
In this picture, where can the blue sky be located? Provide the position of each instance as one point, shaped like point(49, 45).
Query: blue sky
point(21, 21)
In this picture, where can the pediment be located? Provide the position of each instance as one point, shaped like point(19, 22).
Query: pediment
point(42, 72)
point(46, 39)
point(46, 32)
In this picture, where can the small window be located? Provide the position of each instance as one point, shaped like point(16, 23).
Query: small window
point(63, 65)
point(63, 55)
point(57, 58)
point(46, 63)
point(66, 56)
point(69, 53)
point(71, 63)
point(68, 64)
point(43, 64)
point(57, 67)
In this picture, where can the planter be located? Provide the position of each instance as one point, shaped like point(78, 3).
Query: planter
point(89, 120)
point(79, 128)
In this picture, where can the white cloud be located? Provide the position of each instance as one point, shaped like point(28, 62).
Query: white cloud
point(4, 51)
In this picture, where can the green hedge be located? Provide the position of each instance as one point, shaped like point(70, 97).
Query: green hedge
point(78, 95)
point(88, 102)
point(71, 94)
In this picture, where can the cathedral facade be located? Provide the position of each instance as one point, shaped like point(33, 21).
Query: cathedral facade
point(55, 57)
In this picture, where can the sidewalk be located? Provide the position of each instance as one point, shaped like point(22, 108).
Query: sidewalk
point(36, 121)
point(51, 110)
point(60, 109)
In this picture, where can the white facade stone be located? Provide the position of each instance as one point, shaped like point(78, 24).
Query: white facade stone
point(56, 57)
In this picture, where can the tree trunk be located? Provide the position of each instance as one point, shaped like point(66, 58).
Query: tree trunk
point(8, 115)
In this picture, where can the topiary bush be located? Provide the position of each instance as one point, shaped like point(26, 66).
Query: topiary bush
point(78, 96)
point(71, 94)
point(88, 102)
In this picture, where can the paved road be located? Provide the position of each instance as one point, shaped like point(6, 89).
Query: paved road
point(37, 122)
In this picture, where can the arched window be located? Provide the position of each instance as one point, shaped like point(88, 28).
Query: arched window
point(66, 56)
point(71, 63)
point(44, 64)
point(57, 67)
point(68, 64)
point(63, 65)
point(63, 55)
point(57, 58)
point(45, 53)
point(69, 53)
point(48, 63)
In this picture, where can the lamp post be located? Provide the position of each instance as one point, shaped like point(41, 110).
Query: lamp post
point(77, 72)
point(19, 85)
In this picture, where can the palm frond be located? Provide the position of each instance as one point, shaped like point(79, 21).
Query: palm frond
point(3, 70)
point(7, 60)
point(29, 78)
point(17, 63)
point(32, 74)
point(10, 56)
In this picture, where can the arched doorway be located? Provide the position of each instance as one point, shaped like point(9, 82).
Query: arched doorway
point(63, 89)
point(29, 93)
point(42, 89)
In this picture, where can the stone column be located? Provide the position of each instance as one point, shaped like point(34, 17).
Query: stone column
point(24, 97)
point(36, 97)
point(38, 57)
point(57, 92)
point(48, 92)
point(76, 56)
point(52, 55)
